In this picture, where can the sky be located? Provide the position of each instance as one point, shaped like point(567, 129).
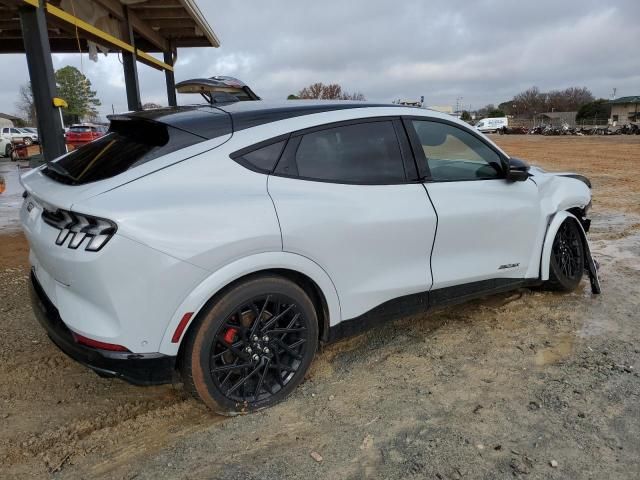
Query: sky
point(484, 51)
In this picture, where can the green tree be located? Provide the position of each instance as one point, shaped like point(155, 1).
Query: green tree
point(599, 109)
point(495, 113)
point(75, 89)
point(465, 116)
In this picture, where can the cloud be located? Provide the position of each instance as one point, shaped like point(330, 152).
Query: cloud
point(484, 51)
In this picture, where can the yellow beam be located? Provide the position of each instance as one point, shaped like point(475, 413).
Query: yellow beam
point(96, 32)
point(151, 59)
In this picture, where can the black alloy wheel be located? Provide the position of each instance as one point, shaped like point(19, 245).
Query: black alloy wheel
point(259, 348)
point(252, 346)
point(567, 257)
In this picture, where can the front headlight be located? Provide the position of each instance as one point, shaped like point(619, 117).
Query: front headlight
point(76, 227)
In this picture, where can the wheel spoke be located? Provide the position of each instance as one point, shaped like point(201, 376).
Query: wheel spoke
point(280, 367)
point(276, 318)
point(241, 382)
point(234, 350)
point(261, 380)
point(256, 322)
point(289, 348)
point(277, 365)
point(232, 367)
point(287, 330)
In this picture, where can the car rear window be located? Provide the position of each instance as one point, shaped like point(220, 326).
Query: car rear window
point(81, 129)
point(128, 144)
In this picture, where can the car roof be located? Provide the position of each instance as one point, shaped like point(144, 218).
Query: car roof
point(210, 121)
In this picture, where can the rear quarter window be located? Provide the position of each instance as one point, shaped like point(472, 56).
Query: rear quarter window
point(260, 158)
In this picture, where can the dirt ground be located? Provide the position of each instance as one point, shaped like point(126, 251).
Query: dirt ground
point(523, 385)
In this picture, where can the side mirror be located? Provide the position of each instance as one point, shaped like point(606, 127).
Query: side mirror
point(518, 170)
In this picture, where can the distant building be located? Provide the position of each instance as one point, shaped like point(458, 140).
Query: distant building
point(625, 110)
point(442, 108)
point(556, 119)
point(7, 120)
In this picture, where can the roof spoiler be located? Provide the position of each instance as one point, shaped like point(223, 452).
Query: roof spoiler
point(218, 89)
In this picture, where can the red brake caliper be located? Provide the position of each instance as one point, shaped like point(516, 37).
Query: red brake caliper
point(230, 335)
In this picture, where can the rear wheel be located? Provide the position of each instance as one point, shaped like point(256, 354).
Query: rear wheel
point(567, 258)
point(7, 150)
point(252, 347)
point(28, 141)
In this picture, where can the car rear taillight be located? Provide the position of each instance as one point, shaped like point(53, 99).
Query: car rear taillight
point(90, 342)
point(75, 228)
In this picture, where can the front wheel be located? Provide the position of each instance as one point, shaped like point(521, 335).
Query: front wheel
point(252, 347)
point(7, 150)
point(567, 258)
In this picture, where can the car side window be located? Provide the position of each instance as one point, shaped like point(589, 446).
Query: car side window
point(366, 152)
point(15, 130)
point(261, 159)
point(455, 155)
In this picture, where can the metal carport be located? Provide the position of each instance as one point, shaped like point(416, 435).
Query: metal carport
point(137, 28)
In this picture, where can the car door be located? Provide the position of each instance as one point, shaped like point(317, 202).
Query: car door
point(347, 197)
point(487, 226)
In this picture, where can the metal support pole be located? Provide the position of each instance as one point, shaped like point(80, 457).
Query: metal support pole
point(129, 61)
point(170, 79)
point(43, 82)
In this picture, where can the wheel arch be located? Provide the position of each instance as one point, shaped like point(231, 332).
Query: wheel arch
point(552, 230)
point(299, 269)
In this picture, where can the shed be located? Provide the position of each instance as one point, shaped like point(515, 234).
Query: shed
point(7, 120)
point(625, 110)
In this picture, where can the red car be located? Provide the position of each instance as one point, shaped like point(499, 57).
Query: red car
point(80, 134)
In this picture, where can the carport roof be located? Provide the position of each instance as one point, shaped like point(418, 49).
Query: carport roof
point(158, 25)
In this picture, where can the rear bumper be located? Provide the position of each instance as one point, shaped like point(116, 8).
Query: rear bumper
point(135, 368)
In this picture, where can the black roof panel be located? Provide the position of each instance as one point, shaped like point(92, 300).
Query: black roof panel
point(250, 114)
point(209, 121)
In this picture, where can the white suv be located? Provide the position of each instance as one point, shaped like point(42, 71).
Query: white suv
point(225, 242)
point(26, 136)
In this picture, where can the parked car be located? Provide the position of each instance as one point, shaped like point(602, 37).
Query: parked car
point(82, 133)
point(14, 133)
point(223, 243)
point(6, 146)
point(32, 132)
point(492, 125)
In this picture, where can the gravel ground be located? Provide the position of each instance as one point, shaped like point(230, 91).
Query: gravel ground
point(523, 385)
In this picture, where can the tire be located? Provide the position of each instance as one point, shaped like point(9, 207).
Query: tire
point(567, 258)
point(7, 150)
point(28, 141)
point(269, 361)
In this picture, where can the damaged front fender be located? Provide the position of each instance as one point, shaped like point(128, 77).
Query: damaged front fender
point(590, 265)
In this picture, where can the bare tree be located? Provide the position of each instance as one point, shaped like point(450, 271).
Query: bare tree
point(25, 106)
point(332, 91)
point(532, 101)
point(150, 105)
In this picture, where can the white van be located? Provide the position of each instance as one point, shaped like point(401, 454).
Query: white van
point(487, 125)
